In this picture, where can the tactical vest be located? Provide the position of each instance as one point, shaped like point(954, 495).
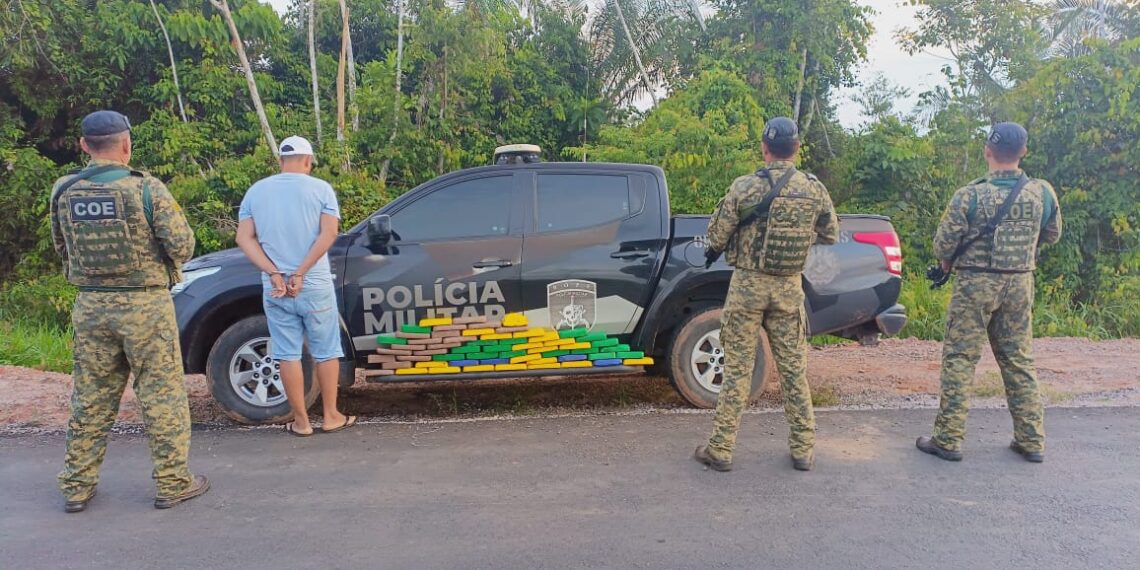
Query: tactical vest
point(778, 243)
point(1012, 248)
point(106, 229)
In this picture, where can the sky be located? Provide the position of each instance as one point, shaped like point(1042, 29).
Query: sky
point(918, 73)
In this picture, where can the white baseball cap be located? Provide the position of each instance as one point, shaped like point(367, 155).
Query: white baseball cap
point(295, 145)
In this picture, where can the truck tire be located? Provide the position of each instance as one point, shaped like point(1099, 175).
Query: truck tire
point(696, 359)
point(245, 382)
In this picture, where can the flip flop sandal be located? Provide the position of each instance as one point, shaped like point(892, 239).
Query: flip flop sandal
point(348, 422)
point(290, 429)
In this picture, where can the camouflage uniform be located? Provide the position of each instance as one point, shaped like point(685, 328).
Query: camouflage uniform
point(993, 298)
point(767, 291)
point(123, 318)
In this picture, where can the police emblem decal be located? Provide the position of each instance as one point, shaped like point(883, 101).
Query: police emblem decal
point(572, 303)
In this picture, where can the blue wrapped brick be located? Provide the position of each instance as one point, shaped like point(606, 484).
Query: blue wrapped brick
point(496, 361)
point(462, 363)
point(608, 362)
point(571, 357)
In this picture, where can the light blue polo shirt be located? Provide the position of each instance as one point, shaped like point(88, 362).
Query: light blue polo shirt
point(286, 210)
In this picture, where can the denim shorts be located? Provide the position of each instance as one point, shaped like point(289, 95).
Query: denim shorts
point(311, 315)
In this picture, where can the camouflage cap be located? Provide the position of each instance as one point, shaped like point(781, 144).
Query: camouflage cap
point(1007, 137)
point(781, 129)
point(103, 123)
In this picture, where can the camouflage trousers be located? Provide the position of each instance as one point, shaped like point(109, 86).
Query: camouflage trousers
point(998, 307)
point(776, 303)
point(117, 334)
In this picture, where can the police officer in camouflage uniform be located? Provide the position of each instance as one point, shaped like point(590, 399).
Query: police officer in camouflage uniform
point(993, 298)
point(768, 250)
point(122, 238)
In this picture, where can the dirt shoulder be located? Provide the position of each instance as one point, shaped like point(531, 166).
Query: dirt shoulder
point(895, 374)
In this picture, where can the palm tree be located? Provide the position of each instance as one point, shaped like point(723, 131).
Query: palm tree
point(223, 6)
point(1072, 22)
point(621, 54)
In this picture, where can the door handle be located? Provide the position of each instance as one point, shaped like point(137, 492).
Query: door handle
point(484, 264)
point(631, 254)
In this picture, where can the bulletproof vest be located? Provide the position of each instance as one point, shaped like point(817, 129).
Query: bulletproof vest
point(778, 243)
point(109, 239)
point(1012, 248)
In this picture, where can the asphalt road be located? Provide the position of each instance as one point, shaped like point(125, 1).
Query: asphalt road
point(597, 492)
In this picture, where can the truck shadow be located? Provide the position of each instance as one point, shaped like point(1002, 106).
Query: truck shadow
point(516, 396)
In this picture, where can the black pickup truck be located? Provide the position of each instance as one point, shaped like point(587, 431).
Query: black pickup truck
point(531, 238)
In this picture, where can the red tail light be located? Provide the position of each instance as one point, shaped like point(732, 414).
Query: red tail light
point(888, 243)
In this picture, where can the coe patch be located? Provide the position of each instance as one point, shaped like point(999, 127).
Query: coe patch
point(92, 208)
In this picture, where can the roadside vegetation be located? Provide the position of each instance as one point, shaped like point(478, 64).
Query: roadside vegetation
point(420, 87)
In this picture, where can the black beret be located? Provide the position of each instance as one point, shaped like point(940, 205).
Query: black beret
point(103, 123)
point(781, 129)
point(1009, 137)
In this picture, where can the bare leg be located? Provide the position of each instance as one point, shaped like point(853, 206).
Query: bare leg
point(294, 379)
point(328, 375)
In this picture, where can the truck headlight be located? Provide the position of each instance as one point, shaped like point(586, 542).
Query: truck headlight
point(189, 277)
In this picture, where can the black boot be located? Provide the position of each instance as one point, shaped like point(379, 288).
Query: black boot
point(198, 487)
point(701, 455)
point(1030, 456)
point(78, 506)
point(927, 445)
point(806, 463)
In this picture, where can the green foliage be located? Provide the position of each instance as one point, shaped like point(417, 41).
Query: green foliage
point(32, 344)
point(46, 300)
point(704, 137)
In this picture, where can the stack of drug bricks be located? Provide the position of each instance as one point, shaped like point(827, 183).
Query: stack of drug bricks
point(478, 344)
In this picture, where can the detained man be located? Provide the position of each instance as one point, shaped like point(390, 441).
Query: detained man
point(286, 224)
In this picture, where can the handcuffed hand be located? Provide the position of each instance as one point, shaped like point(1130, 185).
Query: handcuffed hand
point(279, 288)
point(295, 284)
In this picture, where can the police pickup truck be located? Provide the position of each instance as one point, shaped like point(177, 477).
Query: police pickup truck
point(567, 244)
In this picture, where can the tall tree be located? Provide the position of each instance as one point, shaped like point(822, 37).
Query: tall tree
point(173, 64)
point(223, 6)
point(1072, 22)
point(342, 63)
point(313, 67)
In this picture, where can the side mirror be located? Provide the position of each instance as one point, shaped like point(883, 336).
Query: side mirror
point(380, 229)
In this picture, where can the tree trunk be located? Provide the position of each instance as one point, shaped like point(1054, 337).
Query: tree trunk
point(398, 96)
point(173, 65)
point(636, 52)
point(800, 88)
point(313, 68)
point(353, 109)
point(224, 7)
point(826, 137)
point(340, 72)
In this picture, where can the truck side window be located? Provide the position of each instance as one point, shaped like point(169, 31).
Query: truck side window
point(478, 207)
point(575, 201)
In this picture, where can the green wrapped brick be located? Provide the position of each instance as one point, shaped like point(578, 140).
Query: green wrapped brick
point(630, 354)
point(573, 333)
point(449, 357)
point(415, 329)
point(603, 356)
point(484, 355)
point(593, 337)
point(555, 353)
point(513, 341)
point(619, 348)
point(586, 351)
point(466, 349)
point(512, 353)
point(604, 342)
point(389, 339)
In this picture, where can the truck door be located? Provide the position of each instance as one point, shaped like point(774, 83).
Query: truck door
point(456, 251)
point(591, 246)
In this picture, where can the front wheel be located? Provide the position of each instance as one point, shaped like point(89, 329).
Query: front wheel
point(696, 359)
point(245, 381)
